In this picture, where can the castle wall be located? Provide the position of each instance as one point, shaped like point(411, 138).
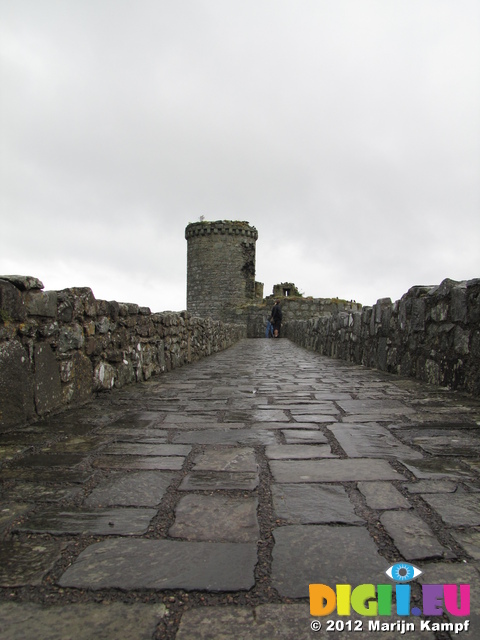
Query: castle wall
point(220, 268)
point(293, 309)
point(431, 333)
point(59, 347)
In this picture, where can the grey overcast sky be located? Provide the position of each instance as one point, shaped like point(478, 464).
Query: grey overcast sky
point(346, 131)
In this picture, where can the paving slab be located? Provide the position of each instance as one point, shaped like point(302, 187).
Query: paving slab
point(286, 622)
point(433, 468)
point(105, 621)
point(451, 442)
point(163, 564)
point(431, 486)
point(412, 536)
point(470, 541)
point(383, 408)
point(217, 480)
point(118, 522)
point(78, 444)
point(216, 518)
point(232, 459)
point(138, 462)
point(282, 621)
point(315, 418)
point(301, 436)
point(26, 563)
point(286, 471)
point(298, 451)
point(313, 503)
point(461, 510)
point(371, 441)
point(312, 554)
point(383, 495)
point(226, 436)
point(136, 489)
point(147, 449)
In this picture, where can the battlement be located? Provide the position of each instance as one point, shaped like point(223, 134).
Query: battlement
point(221, 227)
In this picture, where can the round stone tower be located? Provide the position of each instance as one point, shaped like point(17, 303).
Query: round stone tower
point(220, 268)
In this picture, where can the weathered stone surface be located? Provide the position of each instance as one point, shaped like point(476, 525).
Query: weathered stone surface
point(213, 480)
point(80, 621)
point(33, 492)
point(332, 470)
point(431, 469)
point(48, 387)
point(265, 622)
point(70, 337)
point(462, 509)
point(24, 283)
point(431, 486)
point(219, 435)
point(313, 503)
point(216, 518)
point(412, 536)
point(41, 303)
point(10, 512)
point(303, 555)
point(12, 303)
point(452, 443)
point(16, 385)
point(163, 564)
point(371, 441)
point(298, 452)
point(147, 449)
point(137, 489)
point(300, 436)
point(25, 563)
point(383, 495)
point(231, 460)
point(138, 462)
point(118, 522)
point(470, 541)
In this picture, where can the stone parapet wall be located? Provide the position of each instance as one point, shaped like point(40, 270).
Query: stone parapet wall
point(293, 310)
point(431, 333)
point(58, 347)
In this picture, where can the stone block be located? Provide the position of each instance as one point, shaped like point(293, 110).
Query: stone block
point(70, 338)
point(41, 303)
point(16, 385)
point(48, 387)
point(103, 376)
point(12, 305)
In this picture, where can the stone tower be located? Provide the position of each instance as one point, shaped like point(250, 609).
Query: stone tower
point(220, 268)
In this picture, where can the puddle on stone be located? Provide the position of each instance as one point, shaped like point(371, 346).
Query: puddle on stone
point(25, 563)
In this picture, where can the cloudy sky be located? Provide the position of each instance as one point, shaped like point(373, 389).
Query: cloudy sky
point(346, 131)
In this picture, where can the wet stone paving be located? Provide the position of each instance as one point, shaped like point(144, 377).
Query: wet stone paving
point(202, 504)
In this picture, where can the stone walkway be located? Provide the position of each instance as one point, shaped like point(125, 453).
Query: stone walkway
point(203, 503)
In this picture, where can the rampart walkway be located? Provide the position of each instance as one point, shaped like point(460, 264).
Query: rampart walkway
point(203, 503)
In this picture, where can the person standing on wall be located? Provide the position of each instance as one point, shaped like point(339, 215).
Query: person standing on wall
point(276, 318)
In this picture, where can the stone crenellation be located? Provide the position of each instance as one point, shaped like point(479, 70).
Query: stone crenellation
point(431, 333)
point(58, 347)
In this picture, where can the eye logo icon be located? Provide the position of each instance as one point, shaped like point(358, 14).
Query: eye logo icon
point(403, 572)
